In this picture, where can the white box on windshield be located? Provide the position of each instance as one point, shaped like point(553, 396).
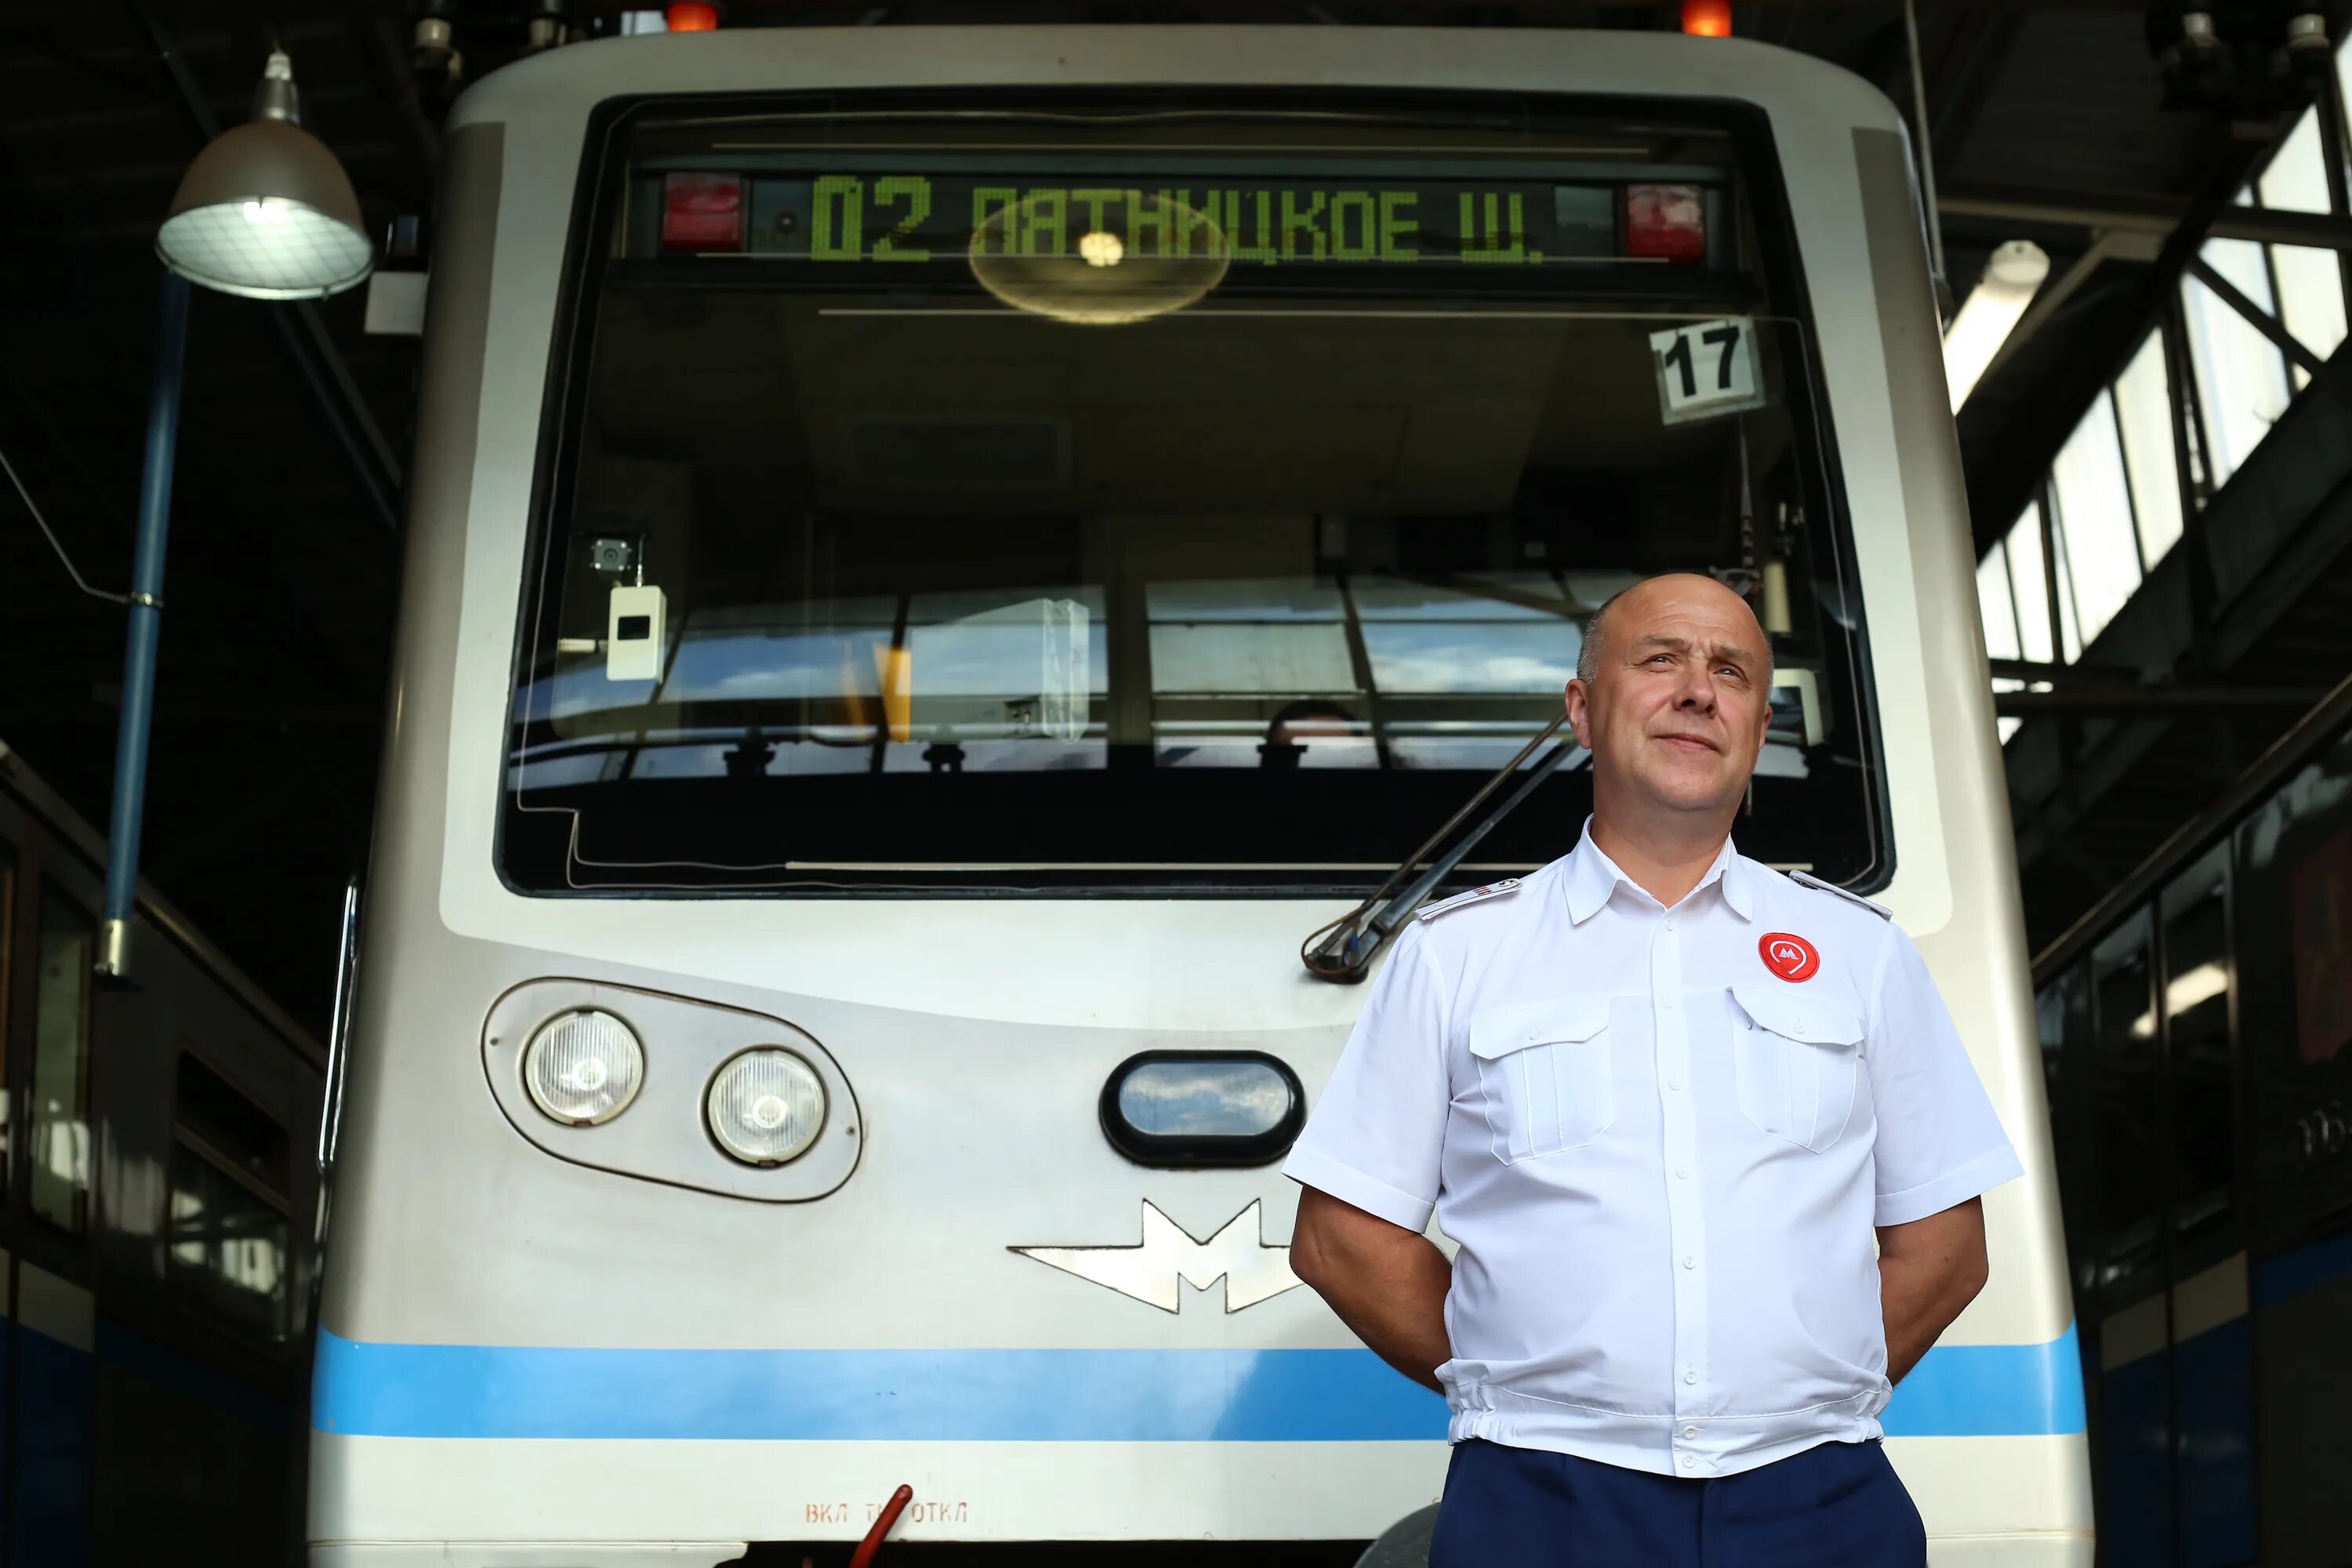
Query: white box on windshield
point(632, 634)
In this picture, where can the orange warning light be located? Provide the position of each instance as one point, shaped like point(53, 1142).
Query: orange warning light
point(702, 16)
point(1701, 18)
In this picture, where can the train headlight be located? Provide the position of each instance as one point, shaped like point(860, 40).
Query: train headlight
point(766, 1106)
point(584, 1068)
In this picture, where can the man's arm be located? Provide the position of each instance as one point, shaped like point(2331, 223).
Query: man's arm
point(1385, 1282)
point(1927, 1271)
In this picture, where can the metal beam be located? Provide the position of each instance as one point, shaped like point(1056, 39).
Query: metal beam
point(2026, 460)
point(2333, 136)
point(387, 63)
point(2047, 517)
point(2262, 321)
point(1968, 70)
point(2286, 523)
point(2106, 677)
point(2097, 702)
point(1927, 150)
point(2059, 209)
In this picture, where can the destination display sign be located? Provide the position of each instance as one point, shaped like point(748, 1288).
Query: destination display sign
point(901, 218)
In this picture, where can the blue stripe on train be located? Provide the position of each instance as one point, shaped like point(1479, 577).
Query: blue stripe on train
point(1992, 1391)
point(2286, 1275)
point(1023, 1395)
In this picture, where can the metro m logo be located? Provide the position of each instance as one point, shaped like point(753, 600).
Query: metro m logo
point(1151, 1271)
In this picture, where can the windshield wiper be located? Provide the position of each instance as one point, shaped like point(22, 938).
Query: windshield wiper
point(1343, 950)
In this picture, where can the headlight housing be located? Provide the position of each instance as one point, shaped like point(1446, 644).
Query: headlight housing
point(766, 1106)
point(584, 1068)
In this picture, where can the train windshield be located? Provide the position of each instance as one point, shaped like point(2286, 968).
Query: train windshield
point(1080, 493)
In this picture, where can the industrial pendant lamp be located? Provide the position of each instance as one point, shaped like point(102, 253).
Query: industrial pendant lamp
point(1991, 312)
point(265, 211)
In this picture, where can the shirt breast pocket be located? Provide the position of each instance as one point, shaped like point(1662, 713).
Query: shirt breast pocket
point(1544, 1078)
point(1797, 1059)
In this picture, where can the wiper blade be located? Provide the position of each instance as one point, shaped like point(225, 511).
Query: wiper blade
point(1343, 950)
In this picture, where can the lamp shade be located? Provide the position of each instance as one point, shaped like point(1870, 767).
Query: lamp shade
point(267, 212)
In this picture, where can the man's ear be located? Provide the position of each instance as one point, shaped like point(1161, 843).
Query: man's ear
point(1579, 711)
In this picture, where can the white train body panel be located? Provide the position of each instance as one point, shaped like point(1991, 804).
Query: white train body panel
point(522, 1350)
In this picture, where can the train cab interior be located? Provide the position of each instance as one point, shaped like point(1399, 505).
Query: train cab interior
point(976, 578)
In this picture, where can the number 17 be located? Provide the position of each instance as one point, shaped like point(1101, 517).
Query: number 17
point(1679, 356)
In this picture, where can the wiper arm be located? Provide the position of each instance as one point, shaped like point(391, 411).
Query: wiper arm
point(1343, 950)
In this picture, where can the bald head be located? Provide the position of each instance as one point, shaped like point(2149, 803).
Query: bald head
point(1630, 606)
point(1674, 700)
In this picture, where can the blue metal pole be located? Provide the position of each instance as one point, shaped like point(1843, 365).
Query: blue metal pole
point(146, 625)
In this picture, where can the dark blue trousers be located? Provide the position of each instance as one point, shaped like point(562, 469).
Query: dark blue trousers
point(1837, 1506)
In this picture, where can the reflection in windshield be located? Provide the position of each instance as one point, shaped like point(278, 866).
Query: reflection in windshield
point(1246, 672)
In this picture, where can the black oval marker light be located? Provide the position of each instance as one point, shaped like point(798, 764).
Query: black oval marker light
point(1179, 1108)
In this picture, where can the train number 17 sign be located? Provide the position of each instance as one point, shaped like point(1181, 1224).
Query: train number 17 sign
point(1707, 368)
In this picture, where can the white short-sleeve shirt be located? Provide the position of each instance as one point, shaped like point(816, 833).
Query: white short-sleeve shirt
point(1663, 1139)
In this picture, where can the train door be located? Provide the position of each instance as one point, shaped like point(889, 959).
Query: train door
point(2124, 1298)
point(50, 1336)
point(2212, 1338)
point(2146, 1091)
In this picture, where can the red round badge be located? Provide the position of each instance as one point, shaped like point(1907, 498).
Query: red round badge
point(1789, 957)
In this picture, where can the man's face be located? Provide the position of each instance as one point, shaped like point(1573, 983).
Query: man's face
point(1677, 710)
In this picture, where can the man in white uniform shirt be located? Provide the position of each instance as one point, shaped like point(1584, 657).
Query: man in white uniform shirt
point(1664, 1100)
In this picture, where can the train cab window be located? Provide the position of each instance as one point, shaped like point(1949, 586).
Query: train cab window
point(58, 1153)
point(2131, 1148)
point(2198, 1051)
point(230, 1184)
point(1014, 494)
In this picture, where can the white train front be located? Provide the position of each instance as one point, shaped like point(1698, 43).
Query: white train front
point(937, 556)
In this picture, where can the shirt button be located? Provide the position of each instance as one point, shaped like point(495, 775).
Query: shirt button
point(1670, 922)
point(1690, 1377)
point(1801, 1029)
point(1682, 1173)
point(1690, 1262)
point(1673, 1080)
point(1670, 1000)
point(1689, 1463)
point(1690, 1431)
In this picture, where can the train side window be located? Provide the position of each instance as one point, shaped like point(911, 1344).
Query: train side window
point(2131, 1149)
point(229, 1239)
point(58, 1181)
point(2196, 986)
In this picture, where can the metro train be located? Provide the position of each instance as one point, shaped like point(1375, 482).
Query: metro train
point(2194, 1025)
point(937, 556)
point(161, 1227)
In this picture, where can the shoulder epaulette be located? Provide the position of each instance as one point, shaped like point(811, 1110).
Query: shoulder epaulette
point(1491, 891)
point(1807, 878)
